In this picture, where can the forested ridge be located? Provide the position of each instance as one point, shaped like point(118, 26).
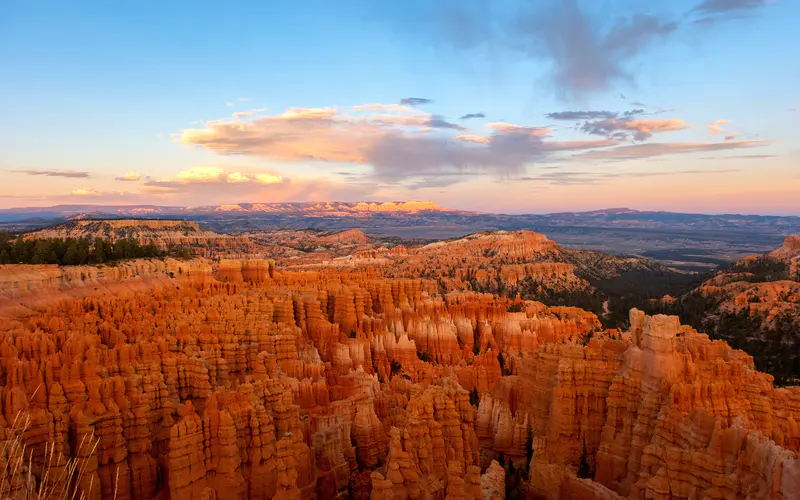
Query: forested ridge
point(79, 251)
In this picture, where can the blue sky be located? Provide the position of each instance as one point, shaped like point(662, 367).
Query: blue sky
point(146, 91)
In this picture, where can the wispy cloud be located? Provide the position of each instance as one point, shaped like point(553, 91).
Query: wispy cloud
point(653, 149)
point(581, 115)
point(129, 177)
point(437, 121)
point(415, 101)
point(740, 157)
point(472, 115)
point(573, 177)
point(73, 174)
point(712, 11)
point(585, 53)
point(586, 57)
point(86, 192)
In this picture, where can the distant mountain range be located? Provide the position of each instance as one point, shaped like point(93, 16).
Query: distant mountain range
point(341, 209)
point(690, 241)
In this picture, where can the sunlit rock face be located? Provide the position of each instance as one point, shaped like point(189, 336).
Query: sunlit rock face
point(241, 379)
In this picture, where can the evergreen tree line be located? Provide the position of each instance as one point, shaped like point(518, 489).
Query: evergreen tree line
point(76, 252)
point(761, 269)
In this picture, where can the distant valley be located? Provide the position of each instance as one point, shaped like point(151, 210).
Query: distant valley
point(691, 242)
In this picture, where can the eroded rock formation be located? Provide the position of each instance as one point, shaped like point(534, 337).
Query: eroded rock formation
point(251, 381)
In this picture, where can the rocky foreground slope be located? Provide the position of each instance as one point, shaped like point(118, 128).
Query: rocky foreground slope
point(245, 380)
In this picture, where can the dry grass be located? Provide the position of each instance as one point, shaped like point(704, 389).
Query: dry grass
point(57, 478)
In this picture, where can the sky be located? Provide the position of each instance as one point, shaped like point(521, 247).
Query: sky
point(491, 105)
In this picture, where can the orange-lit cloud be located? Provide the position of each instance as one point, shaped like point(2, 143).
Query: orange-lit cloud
point(397, 141)
point(627, 127)
point(130, 177)
point(86, 192)
point(509, 128)
point(654, 126)
point(295, 135)
point(473, 138)
point(213, 184)
point(715, 127)
point(214, 175)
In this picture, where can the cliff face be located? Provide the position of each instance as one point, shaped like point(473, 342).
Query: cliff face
point(258, 382)
point(26, 288)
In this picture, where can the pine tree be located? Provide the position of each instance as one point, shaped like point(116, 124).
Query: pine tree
point(44, 253)
point(98, 255)
point(71, 255)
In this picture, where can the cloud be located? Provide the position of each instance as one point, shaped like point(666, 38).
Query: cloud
point(712, 11)
point(585, 57)
point(214, 175)
point(650, 150)
point(415, 101)
point(382, 107)
point(509, 128)
point(242, 114)
point(473, 138)
point(715, 128)
point(583, 48)
point(712, 6)
point(212, 184)
point(472, 115)
point(72, 174)
point(581, 115)
point(398, 142)
point(437, 121)
point(130, 177)
point(572, 177)
point(243, 99)
point(86, 192)
point(567, 178)
point(654, 126)
point(739, 157)
point(640, 130)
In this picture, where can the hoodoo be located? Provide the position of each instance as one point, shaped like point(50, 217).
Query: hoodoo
point(155, 379)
